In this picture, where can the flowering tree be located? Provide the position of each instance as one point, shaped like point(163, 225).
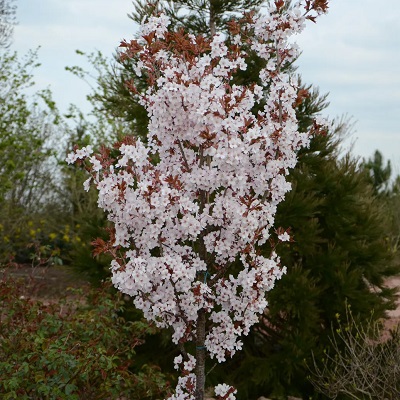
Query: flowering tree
point(201, 193)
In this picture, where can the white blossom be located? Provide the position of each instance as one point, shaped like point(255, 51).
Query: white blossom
point(284, 237)
point(211, 196)
point(222, 390)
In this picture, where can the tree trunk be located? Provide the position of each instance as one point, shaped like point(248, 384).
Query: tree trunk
point(200, 354)
point(212, 25)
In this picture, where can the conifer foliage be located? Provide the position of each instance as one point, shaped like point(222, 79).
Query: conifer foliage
point(201, 192)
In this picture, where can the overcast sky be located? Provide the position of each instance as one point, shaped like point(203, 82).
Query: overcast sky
point(353, 53)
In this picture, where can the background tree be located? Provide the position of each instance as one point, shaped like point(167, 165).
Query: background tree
point(378, 173)
point(7, 22)
point(86, 219)
point(29, 137)
point(387, 188)
point(115, 109)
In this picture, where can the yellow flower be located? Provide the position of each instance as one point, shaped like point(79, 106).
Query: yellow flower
point(52, 236)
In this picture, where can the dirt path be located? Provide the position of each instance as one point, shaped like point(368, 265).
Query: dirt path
point(45, 282)
point(393, 283)
point(394, 315)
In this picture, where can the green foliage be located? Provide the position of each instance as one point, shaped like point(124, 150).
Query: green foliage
point(87, 221)
point(15, 146)
point(75, 348)
point(42, 201)
point(92, 268)
point(29, 131)
point(378, 174)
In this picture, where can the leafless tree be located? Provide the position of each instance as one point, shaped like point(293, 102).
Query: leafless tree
point(360, 365)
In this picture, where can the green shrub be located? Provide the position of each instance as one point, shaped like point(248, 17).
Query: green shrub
point(76, 348)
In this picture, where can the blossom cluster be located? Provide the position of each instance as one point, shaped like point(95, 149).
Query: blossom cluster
point(199, 195)
point(187, 380)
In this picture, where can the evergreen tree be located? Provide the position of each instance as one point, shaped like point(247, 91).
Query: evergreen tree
point(378, 174)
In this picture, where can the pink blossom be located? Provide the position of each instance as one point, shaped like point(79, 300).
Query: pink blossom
point(210, 199)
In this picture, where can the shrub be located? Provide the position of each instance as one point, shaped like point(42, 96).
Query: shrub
point(75, 348)
point(361, 364)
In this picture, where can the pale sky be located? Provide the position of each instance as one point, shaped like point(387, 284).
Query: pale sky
point(353, 53)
